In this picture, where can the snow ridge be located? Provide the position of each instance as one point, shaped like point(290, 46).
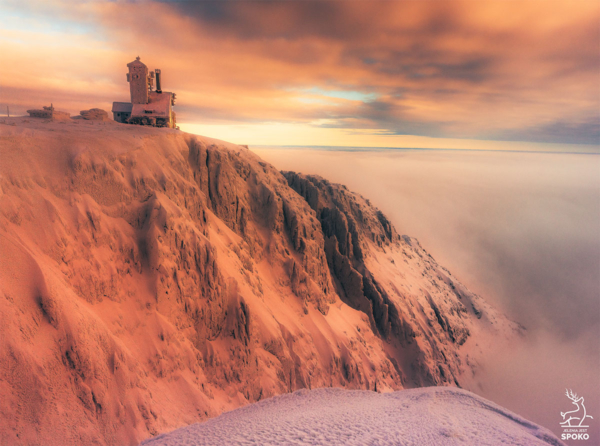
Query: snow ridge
point(333, 416)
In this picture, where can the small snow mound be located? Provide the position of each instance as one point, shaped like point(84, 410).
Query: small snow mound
point(426, 416)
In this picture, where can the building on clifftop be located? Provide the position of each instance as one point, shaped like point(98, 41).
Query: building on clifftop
point(147, 106)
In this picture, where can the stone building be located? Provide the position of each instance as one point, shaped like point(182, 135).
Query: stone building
point(147, 106)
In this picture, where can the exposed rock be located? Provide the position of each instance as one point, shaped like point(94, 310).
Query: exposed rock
point(359, 239)
point(94, 114)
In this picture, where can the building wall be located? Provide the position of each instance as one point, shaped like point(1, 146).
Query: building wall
point(121, 116)
point(138, 83)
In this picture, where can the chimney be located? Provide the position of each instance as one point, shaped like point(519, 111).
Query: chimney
point(158, 87)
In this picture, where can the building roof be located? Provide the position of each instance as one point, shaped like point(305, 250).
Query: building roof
point(136, 62)
point(122, 107)
point(159, 105)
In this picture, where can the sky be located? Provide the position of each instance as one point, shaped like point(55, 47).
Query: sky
point(375, 73)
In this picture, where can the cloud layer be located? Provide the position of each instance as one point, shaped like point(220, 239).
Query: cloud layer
point(483, 70)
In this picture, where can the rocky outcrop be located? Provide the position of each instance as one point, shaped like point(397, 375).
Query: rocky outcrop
point(94, 114)
point(350, 224)
point(357, 237)
point(150, 279)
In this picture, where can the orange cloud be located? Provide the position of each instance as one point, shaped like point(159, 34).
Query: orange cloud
point(492, 69)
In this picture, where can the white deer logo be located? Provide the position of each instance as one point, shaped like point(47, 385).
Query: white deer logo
point(578, 402)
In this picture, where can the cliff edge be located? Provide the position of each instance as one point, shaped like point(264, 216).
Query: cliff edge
point(150, 279)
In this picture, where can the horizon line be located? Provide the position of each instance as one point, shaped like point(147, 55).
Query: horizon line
point(382, 149)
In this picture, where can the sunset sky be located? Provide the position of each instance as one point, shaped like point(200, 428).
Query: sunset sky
point(350, 73)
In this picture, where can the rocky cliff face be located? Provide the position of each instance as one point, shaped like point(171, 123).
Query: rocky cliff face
point(150, 279)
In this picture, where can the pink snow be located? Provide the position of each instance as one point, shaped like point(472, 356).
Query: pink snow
point(426, 416)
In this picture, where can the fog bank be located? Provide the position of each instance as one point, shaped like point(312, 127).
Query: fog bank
point(522, 229)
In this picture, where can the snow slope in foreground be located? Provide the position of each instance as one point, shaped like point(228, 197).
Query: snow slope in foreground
point(425, 416)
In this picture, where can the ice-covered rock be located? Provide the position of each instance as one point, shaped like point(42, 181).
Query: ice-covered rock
point(94, 114)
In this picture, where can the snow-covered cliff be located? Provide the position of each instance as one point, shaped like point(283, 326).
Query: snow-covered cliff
point(150, 279)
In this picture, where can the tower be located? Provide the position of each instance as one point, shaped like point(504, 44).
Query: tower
point(138, 81)
point(147, 106)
